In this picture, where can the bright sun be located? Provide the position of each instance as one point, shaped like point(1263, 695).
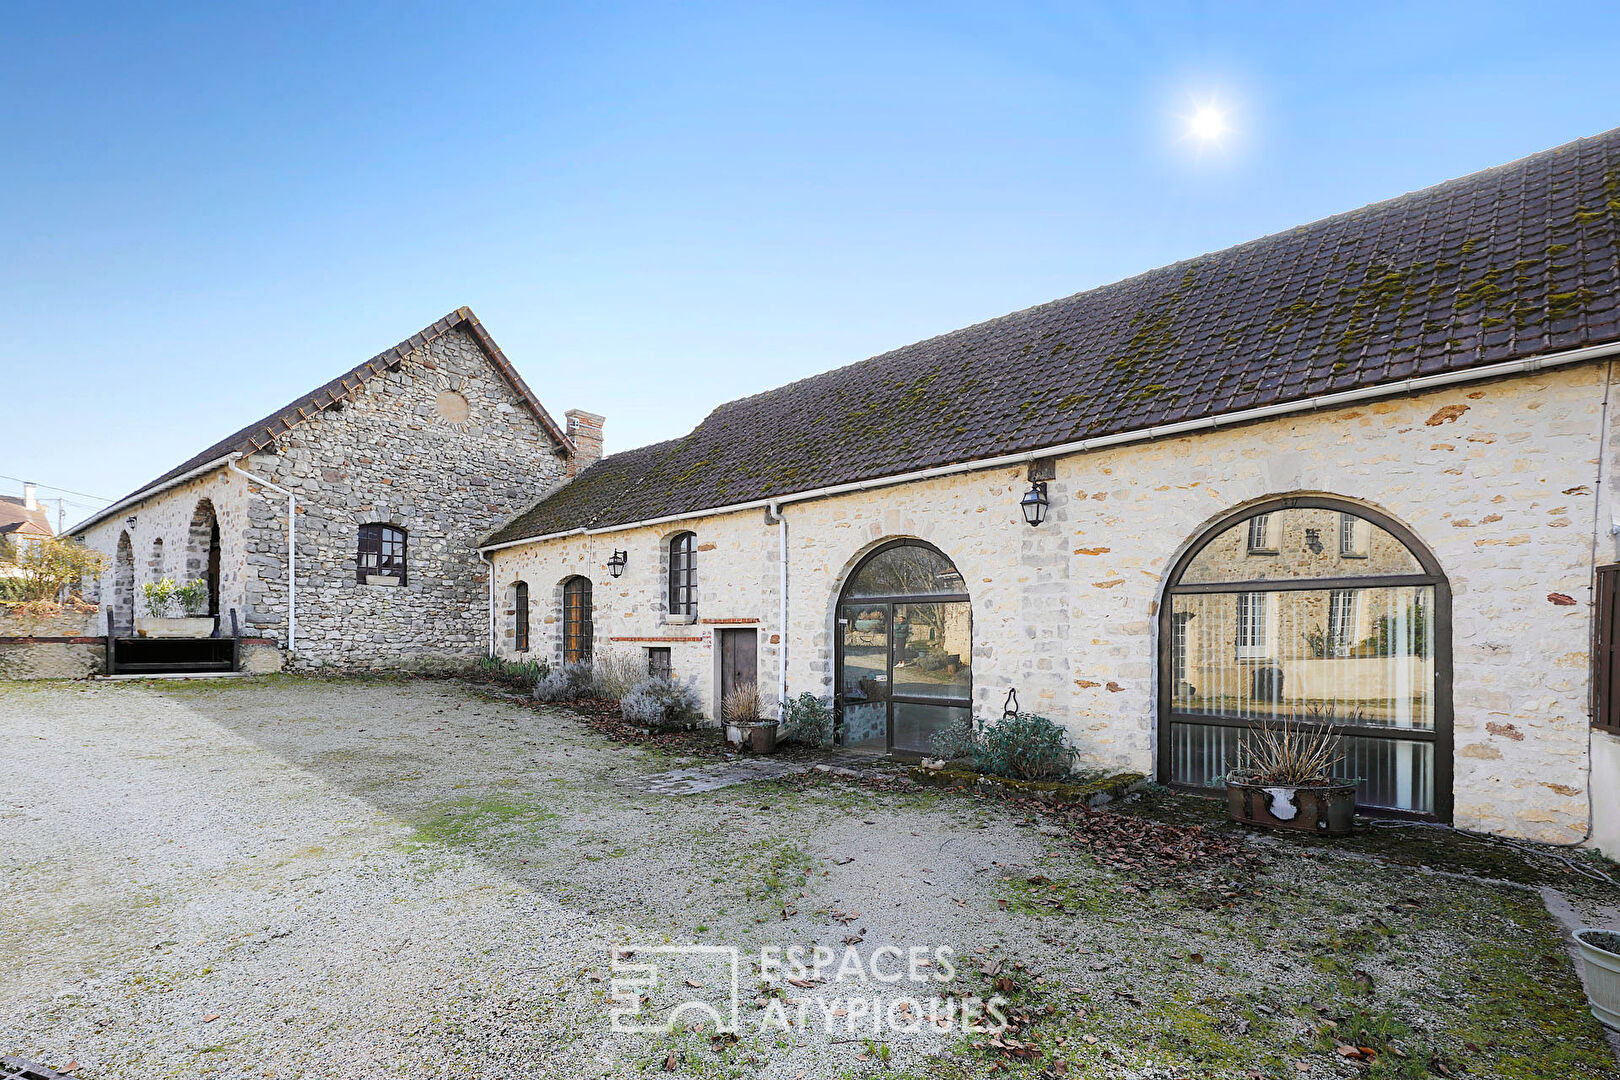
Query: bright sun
point(1207, 124)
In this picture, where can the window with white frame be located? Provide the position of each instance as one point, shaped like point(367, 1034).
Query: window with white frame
point(1251, 626)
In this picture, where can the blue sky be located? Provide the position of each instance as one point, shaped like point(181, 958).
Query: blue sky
point(210, 209)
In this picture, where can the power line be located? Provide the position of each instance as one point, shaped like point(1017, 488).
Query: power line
point(53, 487)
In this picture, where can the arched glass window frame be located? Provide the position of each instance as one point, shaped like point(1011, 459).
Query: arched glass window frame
point(578, 627)
point(373, 538)
point(847, 597)
point(681, 595)
point(1432, 575)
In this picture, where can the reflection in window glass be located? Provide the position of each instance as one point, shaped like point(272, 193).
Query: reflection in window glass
point(932, 650)
point(1303, 540)
point(1345, 656)
point(906, 570)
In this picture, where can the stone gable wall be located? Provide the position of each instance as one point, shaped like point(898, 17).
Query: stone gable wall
point(442, 446)
point(1497, 479)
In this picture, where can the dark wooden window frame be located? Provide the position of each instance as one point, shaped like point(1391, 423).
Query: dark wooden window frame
point(658, 662)
point(578, 630)
point(520, 616)
point(1441, 735)
point(888, 603)
point(381, 551)
point(1606, 652)
point(683, 574)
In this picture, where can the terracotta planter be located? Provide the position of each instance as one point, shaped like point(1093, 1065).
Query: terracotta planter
point(1602, 977)
point(148, 627)
point(1328, 810)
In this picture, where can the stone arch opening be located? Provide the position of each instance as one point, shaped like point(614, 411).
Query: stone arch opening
point(903, 650)
point(124, 583)
point(1318, 612)
point(202, 551)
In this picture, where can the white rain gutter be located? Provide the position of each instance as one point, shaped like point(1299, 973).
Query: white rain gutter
point(292, 550)
point(147, 493)
point(782, 616)
point(491, 564)
point(1163, 431)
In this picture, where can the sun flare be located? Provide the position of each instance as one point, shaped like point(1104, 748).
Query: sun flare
point(1207, 124)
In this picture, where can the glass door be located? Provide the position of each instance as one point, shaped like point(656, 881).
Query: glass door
point(863, 688)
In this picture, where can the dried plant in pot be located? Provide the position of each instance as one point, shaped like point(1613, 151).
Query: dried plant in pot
point(745, 729)
point(1286, 779)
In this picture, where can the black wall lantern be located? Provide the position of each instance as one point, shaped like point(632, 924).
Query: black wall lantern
point(616, 563)
point(1035, 503)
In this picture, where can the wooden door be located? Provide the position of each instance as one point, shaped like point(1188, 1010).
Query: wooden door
point(739, 661)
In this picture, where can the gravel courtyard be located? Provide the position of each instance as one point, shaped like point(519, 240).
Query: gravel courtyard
point(288, 877)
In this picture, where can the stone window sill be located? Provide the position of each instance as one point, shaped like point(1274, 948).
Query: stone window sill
point(382, 579)
point(679, 620)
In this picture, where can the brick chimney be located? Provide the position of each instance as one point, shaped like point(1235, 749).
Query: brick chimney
point(31, 500)
point(585, 429)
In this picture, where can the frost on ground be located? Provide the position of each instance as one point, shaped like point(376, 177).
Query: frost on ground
point(292, 877)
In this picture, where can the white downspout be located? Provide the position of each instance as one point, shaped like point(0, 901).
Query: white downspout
point(292, 553)
point(782, 616)
point(491, 564)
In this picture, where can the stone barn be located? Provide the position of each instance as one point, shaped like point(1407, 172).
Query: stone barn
point(1358, 473)
point(342, 529)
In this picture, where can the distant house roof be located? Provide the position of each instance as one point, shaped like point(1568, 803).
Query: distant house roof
point(1512, 262)
point(262, 434)
point(17, 520)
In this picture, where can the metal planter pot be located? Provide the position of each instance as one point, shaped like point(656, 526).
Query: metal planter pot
point(1328, 810)
point(758, 737)
point(1602, 977)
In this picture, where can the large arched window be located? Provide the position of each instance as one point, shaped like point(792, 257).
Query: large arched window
point(682, 575)
point(904, 649)
point(1337, 616)
point(520, 616)
point(577, 631)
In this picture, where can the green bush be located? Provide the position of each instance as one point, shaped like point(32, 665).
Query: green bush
point(1023, 746)
point(808, 719)
point(519, 674)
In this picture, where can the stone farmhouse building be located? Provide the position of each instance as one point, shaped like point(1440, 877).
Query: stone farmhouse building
point(394, 471)
point(1358, 472)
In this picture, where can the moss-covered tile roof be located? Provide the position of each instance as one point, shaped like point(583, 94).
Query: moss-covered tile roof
point(1511, 262)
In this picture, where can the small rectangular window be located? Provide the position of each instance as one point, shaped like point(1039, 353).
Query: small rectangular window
point(1260, 542)
point(1341, 628)
point(381, 553)
point(1350, 546)
point(658, 665)
point(1251, 625)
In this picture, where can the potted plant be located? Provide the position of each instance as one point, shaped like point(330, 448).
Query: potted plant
point(745, 730)
point(1285, 780)
point(1601, 951)
point(163, 599)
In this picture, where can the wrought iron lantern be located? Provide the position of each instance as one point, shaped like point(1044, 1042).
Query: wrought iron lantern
point(1035, 502)
point(616, 563)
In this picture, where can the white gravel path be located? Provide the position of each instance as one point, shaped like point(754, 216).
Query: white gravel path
point(169, 855)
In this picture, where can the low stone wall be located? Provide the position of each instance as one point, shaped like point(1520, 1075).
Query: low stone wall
point(62, 644)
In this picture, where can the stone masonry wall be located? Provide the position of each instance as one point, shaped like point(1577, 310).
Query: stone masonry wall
point(442, 447)
point(1497, 479)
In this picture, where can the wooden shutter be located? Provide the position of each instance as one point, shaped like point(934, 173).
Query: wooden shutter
point(1605, 655)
